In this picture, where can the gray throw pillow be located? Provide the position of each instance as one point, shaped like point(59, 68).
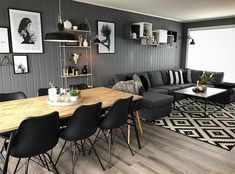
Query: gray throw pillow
point(137, 78)
point(189, 76)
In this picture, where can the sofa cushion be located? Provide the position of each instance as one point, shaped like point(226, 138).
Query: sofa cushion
point(196, 74)
point(170, 88)
point(186, 85)
point(155, 78)
point(219, 76)
point(152, 100)
point(158, 90)
point(165, 77)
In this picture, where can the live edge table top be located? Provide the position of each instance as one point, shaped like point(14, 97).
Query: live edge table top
point(207, 94)
point(12, 113)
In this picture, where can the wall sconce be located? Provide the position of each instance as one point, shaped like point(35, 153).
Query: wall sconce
point(187, 37)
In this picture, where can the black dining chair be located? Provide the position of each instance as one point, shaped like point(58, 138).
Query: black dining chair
point(11, 96)
point(8, 97)
point(82, 125)
point(42, 91)
point(34, 138)
point(114, 119)
point(80, 86)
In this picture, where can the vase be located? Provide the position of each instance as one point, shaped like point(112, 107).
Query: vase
point(85, 69)
point(204, 87)
point(73, 98)
point(85, 43)
point(67, 24)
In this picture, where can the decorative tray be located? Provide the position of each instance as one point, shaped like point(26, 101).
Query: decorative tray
point(64, 103)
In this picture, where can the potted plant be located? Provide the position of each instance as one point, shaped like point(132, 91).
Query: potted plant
point(74, 94)
point(206, 79)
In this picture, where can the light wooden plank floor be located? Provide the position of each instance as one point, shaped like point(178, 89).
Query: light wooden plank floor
point(163, 152)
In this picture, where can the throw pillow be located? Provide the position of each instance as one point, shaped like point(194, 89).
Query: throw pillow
point(137, 78)
point(176, 77)
point(128, 86)
point(185, 76)
point(189, 76)
point(145, 74)
point(144, 83)
point(128, 78)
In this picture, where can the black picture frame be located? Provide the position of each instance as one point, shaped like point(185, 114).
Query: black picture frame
point(20, 64)
point(108, 43)
point(26, 31)
point(4, 40)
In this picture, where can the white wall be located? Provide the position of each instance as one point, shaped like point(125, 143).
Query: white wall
point(214, 50)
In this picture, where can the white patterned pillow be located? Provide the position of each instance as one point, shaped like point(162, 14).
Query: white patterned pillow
point(130, 86)
point(176, 77)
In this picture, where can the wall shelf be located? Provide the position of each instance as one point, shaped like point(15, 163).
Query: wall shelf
point(78, 31)
point(80, 75)
point(71, 46)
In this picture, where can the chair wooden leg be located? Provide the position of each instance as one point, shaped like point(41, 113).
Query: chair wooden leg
point(139, 123)
point(129, 131)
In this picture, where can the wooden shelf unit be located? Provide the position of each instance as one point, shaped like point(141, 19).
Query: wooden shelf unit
point(80, 75)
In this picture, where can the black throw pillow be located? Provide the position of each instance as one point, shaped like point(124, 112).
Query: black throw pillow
point(128, 78)
point(145, 83)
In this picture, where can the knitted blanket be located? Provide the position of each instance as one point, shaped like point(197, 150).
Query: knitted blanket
point(128, 86)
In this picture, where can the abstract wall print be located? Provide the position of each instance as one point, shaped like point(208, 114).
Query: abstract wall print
point(106, 33)
point(20, 64)
point(26, 31)
point(4, 40)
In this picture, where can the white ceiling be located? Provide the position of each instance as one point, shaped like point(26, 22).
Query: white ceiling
point(179, 10)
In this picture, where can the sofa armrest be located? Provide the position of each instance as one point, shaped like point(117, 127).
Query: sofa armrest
point(225, 85)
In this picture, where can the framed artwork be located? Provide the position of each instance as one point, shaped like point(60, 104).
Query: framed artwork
point(106, 34)
point(26, 31)
point(20, 64)
point(4, 40)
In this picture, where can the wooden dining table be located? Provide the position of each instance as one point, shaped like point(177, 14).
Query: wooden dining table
point(12, 113)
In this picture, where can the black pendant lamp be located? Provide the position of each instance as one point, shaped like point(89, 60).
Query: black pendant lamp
point(61, 35)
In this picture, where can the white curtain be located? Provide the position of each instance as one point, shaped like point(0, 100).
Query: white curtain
point(214, 50)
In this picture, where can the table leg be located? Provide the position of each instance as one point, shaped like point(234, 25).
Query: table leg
point(135, 127)
point(205, 108)
point(174, 101)
point(8, 154)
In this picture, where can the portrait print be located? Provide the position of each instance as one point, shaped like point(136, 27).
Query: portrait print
point(106, 33)
point(20, 64)
point(26, 31)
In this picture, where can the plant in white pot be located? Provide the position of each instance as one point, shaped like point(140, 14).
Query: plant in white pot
point(74, 94)
point(206, 79)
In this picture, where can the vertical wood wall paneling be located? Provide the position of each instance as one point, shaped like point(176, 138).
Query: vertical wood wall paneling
point(130, 56)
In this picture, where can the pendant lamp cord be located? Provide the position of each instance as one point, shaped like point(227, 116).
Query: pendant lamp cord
point(60, 9)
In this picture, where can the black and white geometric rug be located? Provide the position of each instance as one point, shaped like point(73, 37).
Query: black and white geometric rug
point(218, 128)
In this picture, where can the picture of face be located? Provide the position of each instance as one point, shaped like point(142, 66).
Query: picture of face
point(26, 31)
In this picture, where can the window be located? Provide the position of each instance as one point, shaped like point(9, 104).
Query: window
point(214, 50)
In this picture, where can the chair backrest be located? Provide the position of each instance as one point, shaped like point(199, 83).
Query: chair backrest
point(118, 114)
point(11, 96)
point(42, 91)
point(83, 123)
point(36, 135)
point(80, 86)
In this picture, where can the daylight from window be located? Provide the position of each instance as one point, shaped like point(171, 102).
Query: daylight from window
point(214, 50)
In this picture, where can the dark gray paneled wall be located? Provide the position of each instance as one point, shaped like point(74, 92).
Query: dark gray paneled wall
point(210, 23)
point(130, 56)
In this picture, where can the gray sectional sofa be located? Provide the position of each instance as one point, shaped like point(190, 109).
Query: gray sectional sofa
point(158, 99)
